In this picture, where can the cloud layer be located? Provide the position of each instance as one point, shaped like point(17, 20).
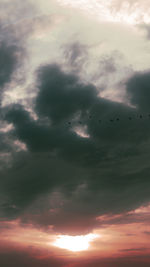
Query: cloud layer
point(96, 174)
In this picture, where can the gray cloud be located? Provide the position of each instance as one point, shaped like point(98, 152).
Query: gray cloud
point(76, 56)
point(139, 91)
point(109, 166)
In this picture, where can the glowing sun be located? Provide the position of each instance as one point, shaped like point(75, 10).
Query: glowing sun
point(74, 243)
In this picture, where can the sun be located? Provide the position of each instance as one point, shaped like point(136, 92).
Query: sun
point(74, 243)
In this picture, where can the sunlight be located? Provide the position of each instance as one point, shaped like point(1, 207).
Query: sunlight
point(74, 243)
point(110, 11)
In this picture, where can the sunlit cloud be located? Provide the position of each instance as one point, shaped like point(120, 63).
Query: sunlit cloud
point(81, 131)
point(112, 11)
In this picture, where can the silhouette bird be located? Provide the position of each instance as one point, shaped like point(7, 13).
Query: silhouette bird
point(140, 116)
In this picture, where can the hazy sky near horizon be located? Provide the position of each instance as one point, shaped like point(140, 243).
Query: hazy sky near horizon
point(74, 133)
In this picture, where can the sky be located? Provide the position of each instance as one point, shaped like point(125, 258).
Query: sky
point(74, 133)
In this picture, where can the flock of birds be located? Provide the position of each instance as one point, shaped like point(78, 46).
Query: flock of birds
point(114, 119)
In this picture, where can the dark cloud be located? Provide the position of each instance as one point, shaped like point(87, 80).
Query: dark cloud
point(14, 33)
point(10, 56)
point(15, 30)
point(14, 256)
point(134, 249)
point(107, 172)
point(138, 88)
point(111, 262)
point(8, 62)
point(12, 53)
point(62, 95)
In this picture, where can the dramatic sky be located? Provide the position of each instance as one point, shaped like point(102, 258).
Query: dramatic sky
point(75, 133)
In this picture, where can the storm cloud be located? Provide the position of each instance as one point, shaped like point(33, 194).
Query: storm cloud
point(103, 173)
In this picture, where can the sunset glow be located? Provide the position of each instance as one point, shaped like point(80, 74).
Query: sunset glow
point(74, 243)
